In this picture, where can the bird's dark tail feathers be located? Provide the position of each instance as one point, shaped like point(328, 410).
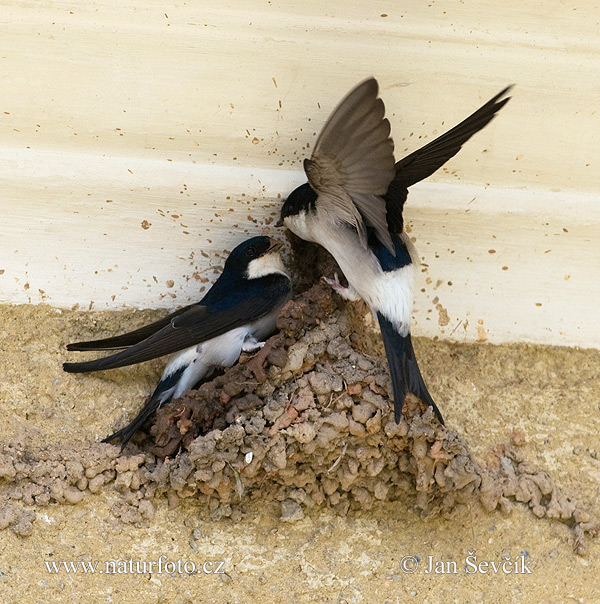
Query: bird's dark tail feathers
point(404, 371)
point(125, 434)
point(159, 397)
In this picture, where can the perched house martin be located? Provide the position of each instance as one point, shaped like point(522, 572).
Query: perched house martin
point(237, 313)
point(352, 206)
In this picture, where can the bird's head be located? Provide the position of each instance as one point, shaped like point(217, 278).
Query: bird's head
point(303, 198)
point(256, 257)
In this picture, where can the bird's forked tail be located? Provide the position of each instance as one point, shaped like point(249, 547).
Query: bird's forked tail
point(404, 371)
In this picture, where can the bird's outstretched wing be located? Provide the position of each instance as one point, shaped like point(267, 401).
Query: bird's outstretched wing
point(197, 324)
point(425, 161)
point(352, 164)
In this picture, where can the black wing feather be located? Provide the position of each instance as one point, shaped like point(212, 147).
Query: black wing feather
point(127, 339)
point(425, 161)
point(198, 324)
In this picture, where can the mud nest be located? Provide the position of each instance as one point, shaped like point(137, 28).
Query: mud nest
point(307, 422)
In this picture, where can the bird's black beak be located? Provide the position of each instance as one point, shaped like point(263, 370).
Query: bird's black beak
point(274, 247)
point(279, 223)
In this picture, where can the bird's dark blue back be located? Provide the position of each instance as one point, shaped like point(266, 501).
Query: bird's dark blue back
point(230, 289)
point(387, 261)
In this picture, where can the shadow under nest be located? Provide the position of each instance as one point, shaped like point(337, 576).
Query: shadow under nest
point(307, 421)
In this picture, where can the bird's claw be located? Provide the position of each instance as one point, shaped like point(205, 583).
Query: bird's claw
point(347, 293)
point(252, 345)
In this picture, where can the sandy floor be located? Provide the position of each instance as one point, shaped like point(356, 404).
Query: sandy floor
point(485, 392)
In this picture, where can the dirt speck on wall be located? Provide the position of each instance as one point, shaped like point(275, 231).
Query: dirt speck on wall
point(290, 464)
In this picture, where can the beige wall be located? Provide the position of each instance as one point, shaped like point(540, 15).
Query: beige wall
point(190, 119)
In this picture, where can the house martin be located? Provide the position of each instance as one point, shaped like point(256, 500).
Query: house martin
point(352, 205)
point(236, 314)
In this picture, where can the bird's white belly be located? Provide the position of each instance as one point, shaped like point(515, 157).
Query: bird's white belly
point(390, 293)
point(222, 351)
point(262, 328)
point(200, 360)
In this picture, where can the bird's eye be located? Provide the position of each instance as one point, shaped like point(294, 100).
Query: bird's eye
point(251, 251)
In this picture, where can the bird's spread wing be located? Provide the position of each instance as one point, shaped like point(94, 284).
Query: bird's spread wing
point(127, 339)
point(353, 162)
point(425, 161)
point(197, 324)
